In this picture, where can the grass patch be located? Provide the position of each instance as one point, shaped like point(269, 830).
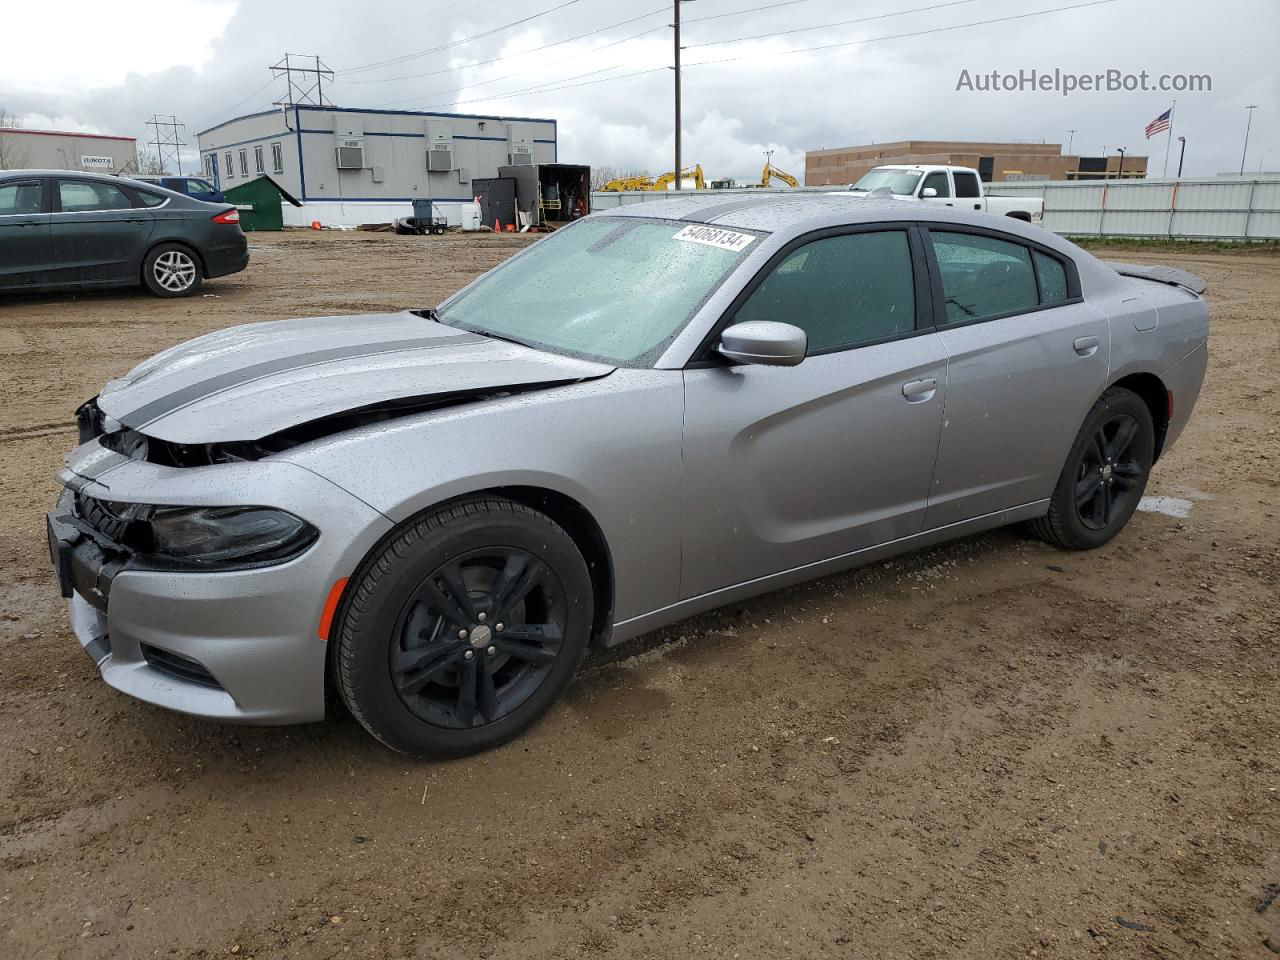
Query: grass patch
point(1178, 246)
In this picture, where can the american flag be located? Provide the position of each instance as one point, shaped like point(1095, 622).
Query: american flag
point(1160, 124)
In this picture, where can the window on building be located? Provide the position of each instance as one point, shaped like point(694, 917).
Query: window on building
point(80, 195)
point(983, 277)
point(842, 291)
point(277, 158)
point(259, 166)
point(937, 180)
point(244, 162)
point(208, 165)
point(230, 168)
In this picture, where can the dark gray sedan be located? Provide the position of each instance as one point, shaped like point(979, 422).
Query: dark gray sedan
point(63, 229)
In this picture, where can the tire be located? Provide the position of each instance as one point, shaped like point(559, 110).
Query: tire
point(462, 628)
point(1105, 474)
point(172, 270)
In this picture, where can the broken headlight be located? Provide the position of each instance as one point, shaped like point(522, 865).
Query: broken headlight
point(222, 537)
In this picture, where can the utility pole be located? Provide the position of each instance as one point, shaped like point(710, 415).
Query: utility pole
point(1182, 152)
point(676, 26)
point(1071, 136)
point(1248, 123)
point(166, 140)
point(309, 88)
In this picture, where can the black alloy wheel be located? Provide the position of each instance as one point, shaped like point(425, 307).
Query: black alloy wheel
point(462, 627)
point(478, 637)
point(1109, 474)
point(1104, 476)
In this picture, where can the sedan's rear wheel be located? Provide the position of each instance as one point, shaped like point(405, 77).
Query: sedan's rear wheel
point(1105, 475)
point(463, 628)
point(171, 270)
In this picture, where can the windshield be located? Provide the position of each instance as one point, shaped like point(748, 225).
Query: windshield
point(611, 288)
point(901, 182)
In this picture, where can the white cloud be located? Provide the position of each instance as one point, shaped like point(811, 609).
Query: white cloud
point(207, 63)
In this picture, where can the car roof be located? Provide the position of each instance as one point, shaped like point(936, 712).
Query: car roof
point(77, 174)
point(797, 212)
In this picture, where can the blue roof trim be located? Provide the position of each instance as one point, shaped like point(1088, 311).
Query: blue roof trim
point(396, 133)
point(247, 116)
point(420, 113)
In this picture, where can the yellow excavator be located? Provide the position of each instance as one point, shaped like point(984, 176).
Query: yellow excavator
point(771, 172)
point(661, 183)
point(693, 173)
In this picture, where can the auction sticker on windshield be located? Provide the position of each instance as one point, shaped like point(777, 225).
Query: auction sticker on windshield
point(715, 237)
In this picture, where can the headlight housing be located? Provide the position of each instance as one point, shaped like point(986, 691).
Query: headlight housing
point(223, 537)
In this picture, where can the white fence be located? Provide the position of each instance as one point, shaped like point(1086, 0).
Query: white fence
point(1220, 208)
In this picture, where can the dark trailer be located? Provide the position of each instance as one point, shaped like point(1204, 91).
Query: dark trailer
point(550, 194)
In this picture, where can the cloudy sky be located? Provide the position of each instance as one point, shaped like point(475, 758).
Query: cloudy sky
point(760, 74)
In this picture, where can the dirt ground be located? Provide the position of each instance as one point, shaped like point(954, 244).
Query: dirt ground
point(989, 750)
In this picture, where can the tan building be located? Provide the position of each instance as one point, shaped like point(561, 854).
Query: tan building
point(56, 150)
point(993, 161)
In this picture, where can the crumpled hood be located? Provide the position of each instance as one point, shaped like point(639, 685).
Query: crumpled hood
point(251, 381)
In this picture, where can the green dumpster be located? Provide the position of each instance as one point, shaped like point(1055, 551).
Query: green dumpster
point(258, 201)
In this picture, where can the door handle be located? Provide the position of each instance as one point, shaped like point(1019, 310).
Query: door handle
point(977, 206)
point(135, 220)
point(950, 204)
point(1086, 346)
point(918, 391)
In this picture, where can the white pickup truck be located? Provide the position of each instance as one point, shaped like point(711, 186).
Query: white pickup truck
point(958, 187)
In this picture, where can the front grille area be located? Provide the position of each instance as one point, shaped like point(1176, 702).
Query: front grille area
point(179, 667)
point(112, 524)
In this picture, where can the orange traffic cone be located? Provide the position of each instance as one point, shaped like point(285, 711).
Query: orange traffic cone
point(315, 224)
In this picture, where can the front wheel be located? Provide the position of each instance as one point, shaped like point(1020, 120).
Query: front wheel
point(463, 628)
point(171, 270)
point(1105, 474)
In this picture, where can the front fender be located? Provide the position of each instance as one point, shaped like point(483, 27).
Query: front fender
point(612, 445)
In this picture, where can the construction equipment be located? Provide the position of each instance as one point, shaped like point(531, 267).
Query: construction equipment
point(663, 182)
point(771, 172)
point(694, 173)
point(622, 184)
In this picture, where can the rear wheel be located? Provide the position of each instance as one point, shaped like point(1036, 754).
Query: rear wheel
point(171, 270)
point(460, 631)
point(1105, 475)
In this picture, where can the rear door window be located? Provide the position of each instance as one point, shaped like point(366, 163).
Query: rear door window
point(1053, 278)
point(80, 196)
point(966, 184)
point(983, 277)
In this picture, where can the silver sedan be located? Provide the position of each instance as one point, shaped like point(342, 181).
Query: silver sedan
point(645, 415)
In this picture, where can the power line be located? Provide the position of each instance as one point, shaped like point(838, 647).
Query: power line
point(838, 23)
point(828, 46)
point(523, 53)
point(739, 13)
point(455, 43)
point(399, 28)
point(915, 33)
point(509, 76)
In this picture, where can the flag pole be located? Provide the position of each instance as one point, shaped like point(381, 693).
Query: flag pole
point(1169, 140)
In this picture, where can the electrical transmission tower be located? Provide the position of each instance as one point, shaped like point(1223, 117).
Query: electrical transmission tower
point(167, 141)
point(306, 76)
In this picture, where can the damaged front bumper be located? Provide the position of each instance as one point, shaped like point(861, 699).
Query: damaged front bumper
point(238, 645)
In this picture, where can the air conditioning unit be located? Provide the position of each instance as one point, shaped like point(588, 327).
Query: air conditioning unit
point(350, 154)
point(521, 155)
point(440, 157)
